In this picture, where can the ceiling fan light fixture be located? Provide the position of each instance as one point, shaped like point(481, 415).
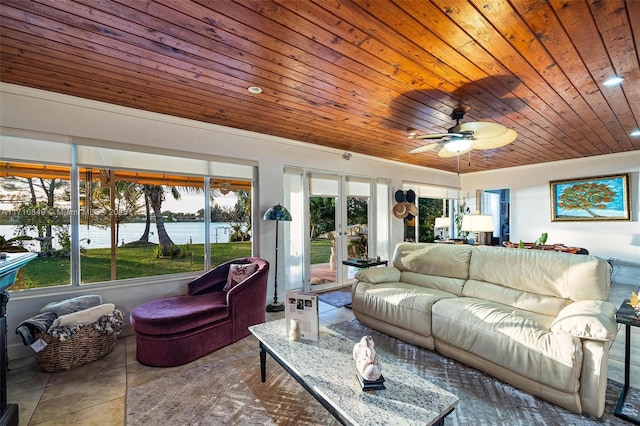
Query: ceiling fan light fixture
point(458, 145)
point(613, 81)
point(635, 133)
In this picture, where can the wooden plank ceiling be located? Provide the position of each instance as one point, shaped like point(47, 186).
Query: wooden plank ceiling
point(351, 75)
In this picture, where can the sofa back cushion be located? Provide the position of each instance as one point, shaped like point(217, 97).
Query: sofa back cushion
point(441, 266)
point(450, 285)
point(536, 280)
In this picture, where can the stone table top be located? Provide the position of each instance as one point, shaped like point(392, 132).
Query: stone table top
point(327, 366)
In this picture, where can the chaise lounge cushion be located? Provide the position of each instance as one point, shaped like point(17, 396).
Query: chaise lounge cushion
point(180, 313)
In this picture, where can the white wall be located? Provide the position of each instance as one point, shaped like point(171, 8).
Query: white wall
point(531, 204)
point(63, 117)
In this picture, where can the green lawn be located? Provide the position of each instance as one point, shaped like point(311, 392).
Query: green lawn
point(320, 251)
point(137, 261)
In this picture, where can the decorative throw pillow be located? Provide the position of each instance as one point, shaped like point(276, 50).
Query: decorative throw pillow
point(238, 272)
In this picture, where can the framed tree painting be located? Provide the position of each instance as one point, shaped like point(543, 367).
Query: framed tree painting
point(594, 198)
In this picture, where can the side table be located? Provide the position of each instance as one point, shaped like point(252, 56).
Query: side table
point(363, 263)
point(627, 316)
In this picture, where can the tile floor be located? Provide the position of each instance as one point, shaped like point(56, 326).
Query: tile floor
point(94, 394)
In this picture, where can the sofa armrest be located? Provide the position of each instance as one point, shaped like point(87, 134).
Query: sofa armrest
point(379, 275)
point(587, 319)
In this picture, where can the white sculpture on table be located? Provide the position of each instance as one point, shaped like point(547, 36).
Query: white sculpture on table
point(294, 330)
point(366, 359)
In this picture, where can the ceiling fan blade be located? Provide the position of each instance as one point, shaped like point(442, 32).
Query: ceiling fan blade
point(424, 148)
point(434, 136)
point(496, 142)
point(484, 130)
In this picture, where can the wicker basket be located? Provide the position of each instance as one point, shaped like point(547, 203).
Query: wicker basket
point(87, 345)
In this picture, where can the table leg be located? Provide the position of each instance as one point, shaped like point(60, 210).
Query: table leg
point(623, 395)
point(263, 363)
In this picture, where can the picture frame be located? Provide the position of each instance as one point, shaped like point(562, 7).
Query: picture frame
point(598, 198)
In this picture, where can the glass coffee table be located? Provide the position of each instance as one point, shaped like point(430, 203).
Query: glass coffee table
point(326, 369)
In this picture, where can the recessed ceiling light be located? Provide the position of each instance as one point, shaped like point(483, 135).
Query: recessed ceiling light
point(613, 81)
point(254, 89)
point(635, 133)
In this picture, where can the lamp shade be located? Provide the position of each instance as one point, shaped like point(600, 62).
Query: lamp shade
point(477, 223)
point(443, 222)
point(277, 212)
point(458, 145)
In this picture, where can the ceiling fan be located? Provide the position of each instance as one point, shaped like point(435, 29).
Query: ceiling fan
point(463, 137)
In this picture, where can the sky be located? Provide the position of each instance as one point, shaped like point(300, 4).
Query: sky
point(191, 203)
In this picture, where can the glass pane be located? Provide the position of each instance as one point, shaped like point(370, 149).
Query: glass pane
point(134, 224)
point(36, 217)
point(231, 222)
point(428, 210)
point(357, 230)
point(323, 255)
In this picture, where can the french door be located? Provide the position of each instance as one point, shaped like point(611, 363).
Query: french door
point(339, 211)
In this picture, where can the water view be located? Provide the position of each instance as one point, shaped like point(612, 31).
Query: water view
point(95, 237)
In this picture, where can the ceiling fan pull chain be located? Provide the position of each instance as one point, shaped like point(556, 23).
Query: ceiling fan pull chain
point(469, 158)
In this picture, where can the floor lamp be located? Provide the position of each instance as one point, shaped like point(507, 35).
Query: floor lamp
point(277, 213)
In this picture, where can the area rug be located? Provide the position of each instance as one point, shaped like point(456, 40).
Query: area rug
point(229, 391)
point(336, 298)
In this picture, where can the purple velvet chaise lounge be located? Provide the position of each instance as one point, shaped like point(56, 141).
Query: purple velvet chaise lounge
point(180, 329)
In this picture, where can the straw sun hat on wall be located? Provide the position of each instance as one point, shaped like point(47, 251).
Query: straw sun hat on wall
point(405, 206)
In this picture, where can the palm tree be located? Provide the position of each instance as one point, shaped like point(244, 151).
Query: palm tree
point(126, 205)
point(155, 195)
point(147, 226)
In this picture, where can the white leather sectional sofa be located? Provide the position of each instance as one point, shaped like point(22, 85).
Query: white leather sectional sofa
point(539, 320)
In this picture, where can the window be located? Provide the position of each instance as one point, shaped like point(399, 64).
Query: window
point(110, 214)
point(432, 202)
point(136, 224)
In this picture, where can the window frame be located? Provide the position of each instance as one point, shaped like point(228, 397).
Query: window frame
point(16, 149)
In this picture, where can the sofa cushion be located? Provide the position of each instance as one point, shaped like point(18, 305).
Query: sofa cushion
point(239, 272)
point(516, 339)
point(179, 313)
point(587, 319)
point(445, 260)
point(530, 301)
point(561, 275)
point(450, 285)
point(403, 305)
point(378, 275)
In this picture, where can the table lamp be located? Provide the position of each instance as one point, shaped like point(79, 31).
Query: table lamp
point(443, 223)
point(477, 223)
